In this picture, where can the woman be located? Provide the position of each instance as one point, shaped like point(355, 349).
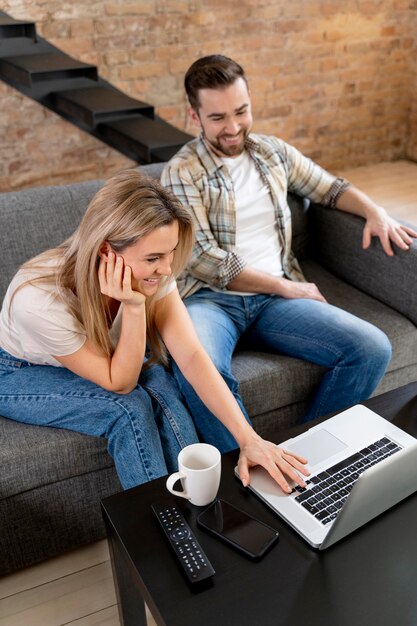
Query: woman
point(74, 328)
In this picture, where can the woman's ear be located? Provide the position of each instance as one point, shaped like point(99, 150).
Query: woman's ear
point(104, 250)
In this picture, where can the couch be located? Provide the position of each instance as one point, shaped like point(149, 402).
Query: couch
point(52, 480)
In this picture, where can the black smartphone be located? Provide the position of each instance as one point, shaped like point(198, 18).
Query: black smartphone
point(238, 529)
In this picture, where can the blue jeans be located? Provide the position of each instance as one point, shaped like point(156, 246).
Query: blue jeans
point(355, 353)
point(145, 429)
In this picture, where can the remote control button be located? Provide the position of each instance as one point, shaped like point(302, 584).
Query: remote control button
point(188, 551)
point(179, 534)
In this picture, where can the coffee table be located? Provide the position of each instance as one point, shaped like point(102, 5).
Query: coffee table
point(368, 578)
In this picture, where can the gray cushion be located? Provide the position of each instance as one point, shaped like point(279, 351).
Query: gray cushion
point(338, 247)
point(60, 516)
point(36, 456)
point(33, 220)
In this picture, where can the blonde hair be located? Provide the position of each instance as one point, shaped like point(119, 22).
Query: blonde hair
point(129, 206)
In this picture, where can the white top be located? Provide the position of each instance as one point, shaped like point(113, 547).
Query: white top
point(39, 324)
point(256, 230)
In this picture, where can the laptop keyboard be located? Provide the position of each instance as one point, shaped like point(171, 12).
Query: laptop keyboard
point(326, 493)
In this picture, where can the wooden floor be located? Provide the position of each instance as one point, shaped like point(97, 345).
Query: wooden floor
point(392, 185)
point(77, 588)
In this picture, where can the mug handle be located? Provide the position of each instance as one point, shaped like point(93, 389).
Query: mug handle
point(171, 480)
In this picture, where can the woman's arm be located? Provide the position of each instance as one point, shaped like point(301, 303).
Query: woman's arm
point(177, 331)
point(120, 372)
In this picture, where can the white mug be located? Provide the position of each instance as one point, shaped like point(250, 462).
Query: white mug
point(199, 468)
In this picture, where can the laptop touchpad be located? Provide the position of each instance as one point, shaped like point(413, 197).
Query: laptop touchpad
point(317, 446)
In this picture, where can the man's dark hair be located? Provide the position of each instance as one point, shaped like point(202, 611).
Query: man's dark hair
point(211, 72)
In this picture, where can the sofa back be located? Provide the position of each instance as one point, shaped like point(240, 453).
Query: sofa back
point(33, 220)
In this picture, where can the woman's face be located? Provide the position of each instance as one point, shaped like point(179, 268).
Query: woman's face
point(150, 258)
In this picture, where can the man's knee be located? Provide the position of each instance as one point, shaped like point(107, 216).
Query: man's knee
point(373, 346)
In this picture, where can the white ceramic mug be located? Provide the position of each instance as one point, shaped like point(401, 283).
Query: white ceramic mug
point(199, 468)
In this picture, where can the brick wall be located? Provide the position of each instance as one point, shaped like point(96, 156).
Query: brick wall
point(412, 120)
point(331, 77)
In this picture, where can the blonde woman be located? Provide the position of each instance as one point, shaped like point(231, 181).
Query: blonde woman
point(75, 325)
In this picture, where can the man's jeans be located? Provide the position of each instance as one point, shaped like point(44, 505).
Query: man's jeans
point(145, 429)
point(355, 353)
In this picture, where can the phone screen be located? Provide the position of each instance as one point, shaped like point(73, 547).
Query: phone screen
point(238, 528)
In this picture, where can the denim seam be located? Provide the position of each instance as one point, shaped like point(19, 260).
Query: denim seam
point(138, 440)
point(329, 390)
point(168, 414)
point(302, 338)
point(334, 370)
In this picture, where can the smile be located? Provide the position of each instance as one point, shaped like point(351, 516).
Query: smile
point(234, 139)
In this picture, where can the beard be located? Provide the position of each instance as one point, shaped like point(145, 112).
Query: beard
point(222, 148)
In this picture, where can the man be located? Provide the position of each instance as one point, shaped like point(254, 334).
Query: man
point(243, 278)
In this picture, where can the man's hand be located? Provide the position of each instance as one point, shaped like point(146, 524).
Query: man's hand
point(389, 231)
point(255, 281)
point(378, 222)
point(292, 290)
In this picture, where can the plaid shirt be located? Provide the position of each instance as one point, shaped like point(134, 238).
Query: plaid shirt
point(202, 182)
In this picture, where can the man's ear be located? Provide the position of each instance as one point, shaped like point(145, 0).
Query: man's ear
point(194, 117)
point(104, 250)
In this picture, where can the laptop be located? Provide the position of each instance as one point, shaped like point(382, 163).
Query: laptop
point(361, 465)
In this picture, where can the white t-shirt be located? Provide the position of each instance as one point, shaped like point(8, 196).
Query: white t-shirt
point(39, 324)
point(256, 230)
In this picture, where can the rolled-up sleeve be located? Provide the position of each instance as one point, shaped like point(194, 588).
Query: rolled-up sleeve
point(308, 179)
point(209, 262)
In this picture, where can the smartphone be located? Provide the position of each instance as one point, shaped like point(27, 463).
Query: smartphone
point(238, 529)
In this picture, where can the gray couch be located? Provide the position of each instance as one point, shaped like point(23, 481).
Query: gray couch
point(51, 480)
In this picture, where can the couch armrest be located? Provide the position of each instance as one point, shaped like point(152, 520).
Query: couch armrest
point(337, 240)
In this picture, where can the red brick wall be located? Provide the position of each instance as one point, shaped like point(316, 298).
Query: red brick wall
point(331, 77)
point(412, 120)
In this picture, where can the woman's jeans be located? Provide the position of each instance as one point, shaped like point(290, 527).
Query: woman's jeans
point(355, 353)
point(145, 428)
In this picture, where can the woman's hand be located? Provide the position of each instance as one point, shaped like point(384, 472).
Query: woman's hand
point(280, 464)
point(116, 281)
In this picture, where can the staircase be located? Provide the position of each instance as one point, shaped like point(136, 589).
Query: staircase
point(76, 92)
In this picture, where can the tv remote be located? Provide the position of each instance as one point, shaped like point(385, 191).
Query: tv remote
point(188, 551)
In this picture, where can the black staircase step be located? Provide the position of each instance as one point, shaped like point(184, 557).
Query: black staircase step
point(93, 105)
point(16, 28)
point(32, 68)
point(74, 90)
point(148, 140)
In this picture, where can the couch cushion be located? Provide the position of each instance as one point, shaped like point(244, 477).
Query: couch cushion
point(269, 382)
point(33, 220)
point(36, 456)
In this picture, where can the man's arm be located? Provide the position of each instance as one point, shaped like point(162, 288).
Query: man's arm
point(255, 281)
point(209, 262)
point(378, 222)
point(308, 179)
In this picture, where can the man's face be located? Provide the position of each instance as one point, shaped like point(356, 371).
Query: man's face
point(225, 117)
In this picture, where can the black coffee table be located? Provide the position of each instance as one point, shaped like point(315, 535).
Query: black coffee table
point(369, 578)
